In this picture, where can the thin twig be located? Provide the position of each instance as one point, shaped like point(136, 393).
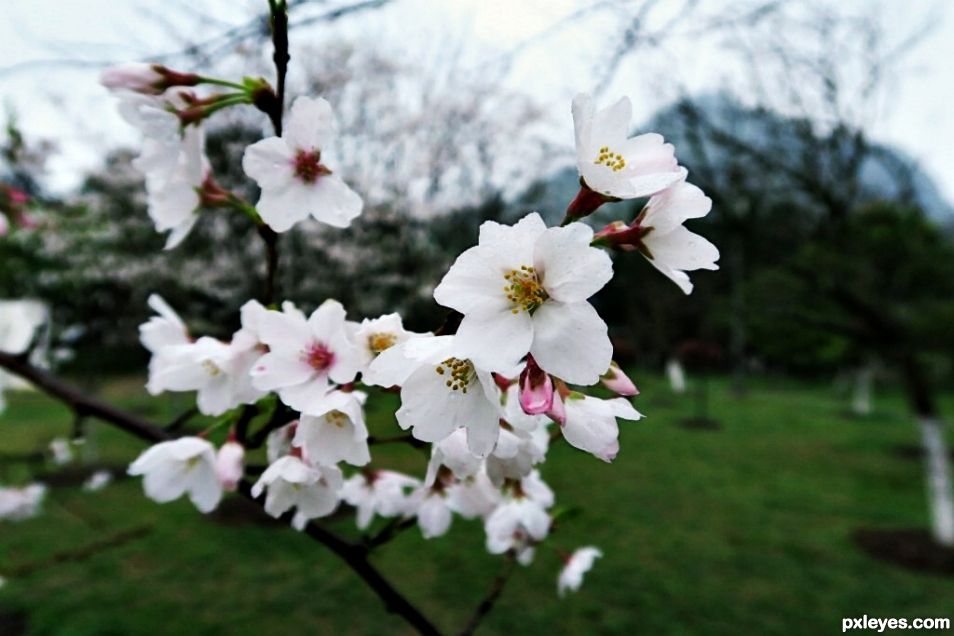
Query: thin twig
point(395, 527)
point(181, 420)
point(491, 599)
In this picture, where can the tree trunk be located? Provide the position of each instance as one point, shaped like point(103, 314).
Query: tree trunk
point(937, 465)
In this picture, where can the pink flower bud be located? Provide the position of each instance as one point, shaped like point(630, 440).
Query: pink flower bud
point(18, 197)
point(623, 237)
point(536, 389)
point(618, 382)
point(148, 79)
point(557, 411)
point(4, 226)
point(230, 465)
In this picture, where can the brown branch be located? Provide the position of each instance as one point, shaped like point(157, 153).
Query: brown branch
point(81, 554)
point(389, 532)
point(491, 599)
point(355, 555)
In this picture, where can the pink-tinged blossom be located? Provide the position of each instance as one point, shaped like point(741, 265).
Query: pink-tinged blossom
point(591, 423)
point(578, 564)
point(380, 492)
point(441, 391)
point(293, 174)
point(148, 79)
point(230, 465)
point(516, 453)
point(179, 467)
point(524, 289)
point(305, 355)
point(618, 382)
point(292, 483)
point(613, 164)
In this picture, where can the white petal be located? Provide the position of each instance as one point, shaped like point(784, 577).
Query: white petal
point(333, 202)
point(570, 269)
point(474, 280)
point(495, 339)
point(276, 370)
point(674, 205)
point(310, 124)
point(270, 162)
point(282, 208)
point(680, 250)
point(570, 341)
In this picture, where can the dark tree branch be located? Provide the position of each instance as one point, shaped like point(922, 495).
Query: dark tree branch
point(395, 527)
point(354, 554)
point(176, 424)
point(491, 599)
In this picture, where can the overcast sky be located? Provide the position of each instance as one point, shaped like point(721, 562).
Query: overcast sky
point(51, 52)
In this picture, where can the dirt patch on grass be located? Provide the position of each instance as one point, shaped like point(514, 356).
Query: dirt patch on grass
point(910, 548)
point(913, 452)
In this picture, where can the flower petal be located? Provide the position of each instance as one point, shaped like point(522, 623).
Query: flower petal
point(570, 269)
point(570, 341)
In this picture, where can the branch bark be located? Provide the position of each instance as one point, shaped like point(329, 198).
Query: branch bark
point(490, 600)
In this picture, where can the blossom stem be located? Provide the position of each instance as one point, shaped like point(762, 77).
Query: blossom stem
point(221, 82)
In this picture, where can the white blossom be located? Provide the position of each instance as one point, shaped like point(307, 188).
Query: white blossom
point(182, 466)
point(335, 431)
point(669, 246)
point(524, 289)
point(230, 465)
point(381, 492)
point(578, 564)
point(591, 423)
point(97, 481)
point(17, 504)
point(62, 451)
point(441, 391)
point(293, 175)
point(291, 483)
point(614, 164)
point(375, 335)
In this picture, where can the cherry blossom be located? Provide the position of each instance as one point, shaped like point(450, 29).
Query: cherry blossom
point(374, 336)
point(305, 355)
point(613, 164)
point(336, 431)
point(182, 466)
point(97, 481)
point(293, 176)
point(292, 483)
point(667, 244)
point(521, 519)
point(163, 330)
point(591, 423)
point(230, 464)
point(441, 391)
point(17, 504)
point(578, 564)
point(524, 289)
point(378, 492)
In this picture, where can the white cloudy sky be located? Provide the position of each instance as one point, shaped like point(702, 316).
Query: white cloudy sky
point(51, 52)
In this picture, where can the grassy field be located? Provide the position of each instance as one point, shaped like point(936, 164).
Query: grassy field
point(742, 530)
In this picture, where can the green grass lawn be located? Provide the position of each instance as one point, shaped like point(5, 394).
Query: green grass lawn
point(745, 530)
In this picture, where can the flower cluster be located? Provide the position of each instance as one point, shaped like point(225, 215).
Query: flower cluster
point(490, 397)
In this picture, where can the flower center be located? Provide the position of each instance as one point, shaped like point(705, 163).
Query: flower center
point(337, 418)
point(318, 356)
point(378, 342)
point(308, 166)
point(461, 373)
point(211, 368)
point(610, 159)
point(523, 289)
